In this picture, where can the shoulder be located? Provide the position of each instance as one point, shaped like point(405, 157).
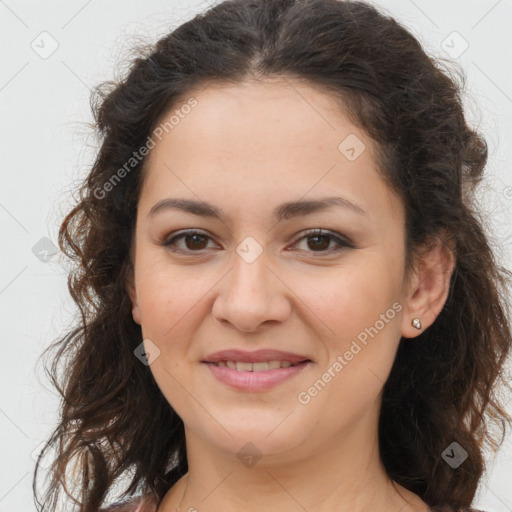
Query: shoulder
point(134, 504)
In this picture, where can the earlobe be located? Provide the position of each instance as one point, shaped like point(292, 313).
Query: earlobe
point(430, 288)
point(130, 290)
point(136, 314)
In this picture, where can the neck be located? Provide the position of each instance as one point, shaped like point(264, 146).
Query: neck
point(343, 473)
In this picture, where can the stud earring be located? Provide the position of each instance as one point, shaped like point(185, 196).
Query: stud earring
point(416, 323)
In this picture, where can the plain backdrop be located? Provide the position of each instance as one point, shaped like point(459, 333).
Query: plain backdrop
point(53, 52)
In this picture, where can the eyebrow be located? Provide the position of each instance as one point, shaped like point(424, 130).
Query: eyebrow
point(283, 211)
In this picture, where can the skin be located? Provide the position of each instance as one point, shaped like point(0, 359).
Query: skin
point(247, 149)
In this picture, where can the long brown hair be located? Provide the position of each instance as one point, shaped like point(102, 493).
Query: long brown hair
point(443, 385)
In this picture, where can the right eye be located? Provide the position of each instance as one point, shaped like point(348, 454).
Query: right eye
point(194, 241)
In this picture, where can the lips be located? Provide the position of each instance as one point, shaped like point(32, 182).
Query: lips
point(258, 356)
point(255, 371)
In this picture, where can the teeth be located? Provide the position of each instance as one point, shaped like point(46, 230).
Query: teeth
point(262, 366)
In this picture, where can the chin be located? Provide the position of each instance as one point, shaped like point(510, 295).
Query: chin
point(254, 431)
point(258, 447)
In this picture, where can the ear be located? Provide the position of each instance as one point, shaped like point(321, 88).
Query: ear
point(428, 286)
point(132, 293)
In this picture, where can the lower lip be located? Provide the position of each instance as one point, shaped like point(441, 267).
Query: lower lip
point(255, 381)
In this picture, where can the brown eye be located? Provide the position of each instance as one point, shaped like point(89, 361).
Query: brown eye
point(194, 241)
point(318, 240)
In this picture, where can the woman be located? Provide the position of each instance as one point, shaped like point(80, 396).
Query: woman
point(288, 300)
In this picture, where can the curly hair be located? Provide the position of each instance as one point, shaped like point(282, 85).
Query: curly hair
point(443, 386)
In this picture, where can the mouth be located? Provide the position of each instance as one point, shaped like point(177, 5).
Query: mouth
point(269, 356)
point(261, 366)
point(255, 371)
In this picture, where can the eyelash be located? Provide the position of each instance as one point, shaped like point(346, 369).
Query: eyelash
point(343, 243)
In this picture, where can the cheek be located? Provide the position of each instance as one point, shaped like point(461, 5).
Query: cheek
point(358, 311)
point(167, 295)
point(348, 299)
point(170, 305)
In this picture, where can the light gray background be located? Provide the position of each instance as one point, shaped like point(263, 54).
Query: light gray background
point(46, 147)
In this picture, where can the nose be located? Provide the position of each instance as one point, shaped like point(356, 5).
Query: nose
point(251, 295)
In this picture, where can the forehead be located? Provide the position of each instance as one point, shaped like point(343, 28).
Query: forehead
point(275, 113)
point(260, 141)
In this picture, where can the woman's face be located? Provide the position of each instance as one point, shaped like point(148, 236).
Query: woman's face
point(259, 165)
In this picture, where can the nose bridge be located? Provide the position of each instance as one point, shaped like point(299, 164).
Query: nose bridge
point(250, 274)
point(249, 282)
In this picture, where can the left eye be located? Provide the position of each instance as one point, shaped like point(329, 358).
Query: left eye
point(196, 241)
point(322, 239)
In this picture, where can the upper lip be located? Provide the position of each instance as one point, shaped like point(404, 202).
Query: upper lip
point(256, 356)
